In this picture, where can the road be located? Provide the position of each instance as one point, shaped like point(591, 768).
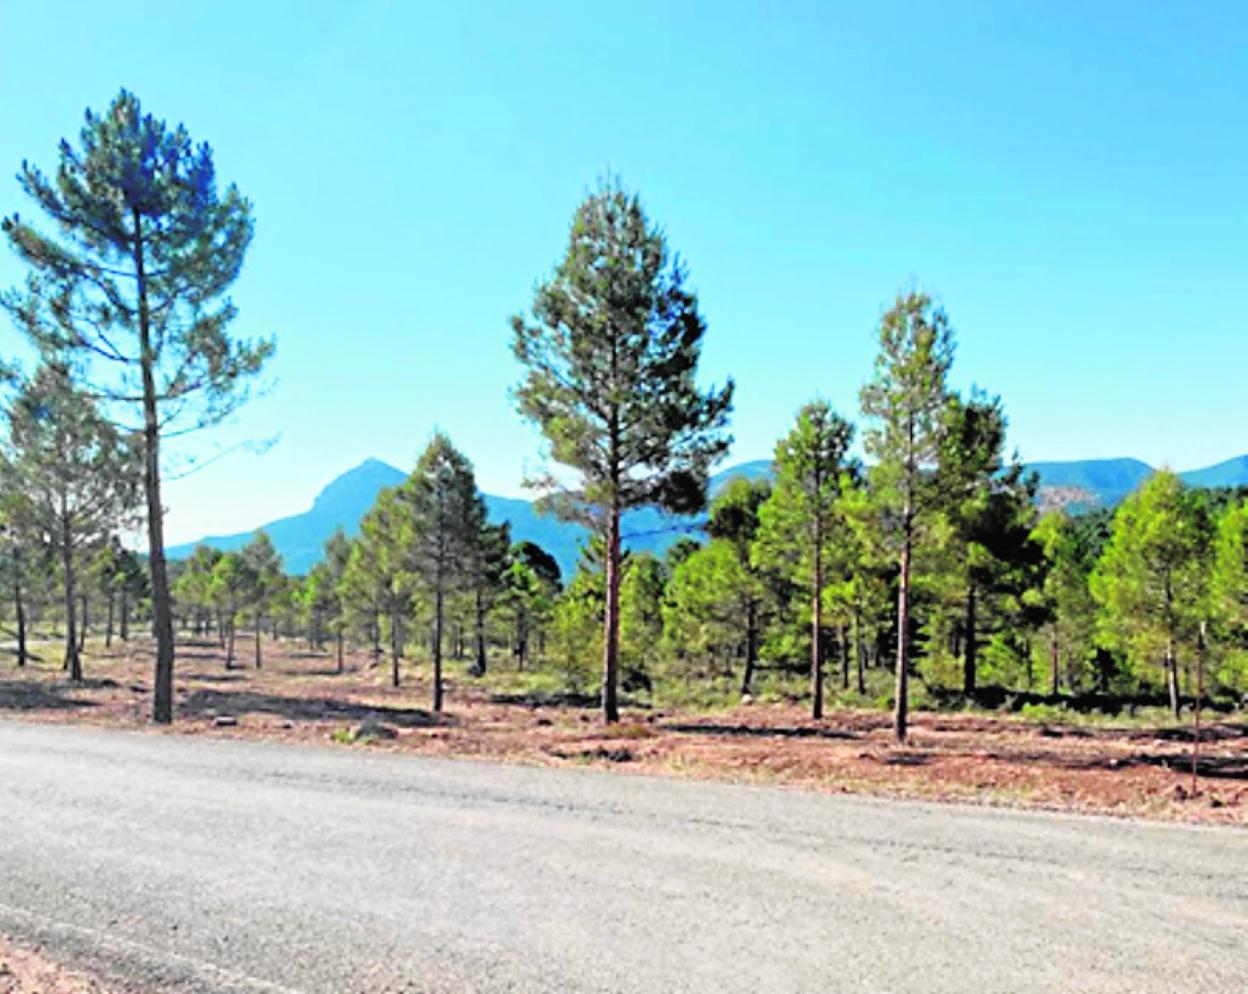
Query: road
point(199, 864)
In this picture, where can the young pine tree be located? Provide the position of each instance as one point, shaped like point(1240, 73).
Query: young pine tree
point(70, 476)
point(611, 357)
point(798, 524)
point(905, 404)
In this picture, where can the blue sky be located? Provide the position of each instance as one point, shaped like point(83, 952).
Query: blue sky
point(1067, 178)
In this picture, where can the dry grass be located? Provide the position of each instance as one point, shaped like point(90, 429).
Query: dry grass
point(298, 697)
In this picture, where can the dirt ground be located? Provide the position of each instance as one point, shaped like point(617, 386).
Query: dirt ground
point(297, 696)
point(26, 970)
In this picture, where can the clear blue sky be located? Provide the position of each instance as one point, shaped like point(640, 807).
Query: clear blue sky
point(1070, 180)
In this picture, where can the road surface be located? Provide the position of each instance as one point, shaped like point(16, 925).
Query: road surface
point(199, 864)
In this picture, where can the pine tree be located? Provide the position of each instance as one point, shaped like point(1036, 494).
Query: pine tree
point(906, 404)
point(70, 476)
point(1151, 580)
point(734, 519)
point(611, 357)
point(447, 518)
point(798, 524)
point(532, 583)
point(264, 566)
point(134, 292)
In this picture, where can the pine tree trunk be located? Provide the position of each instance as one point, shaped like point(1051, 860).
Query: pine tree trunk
point(1055, 654)
point(73, 660)
point(844, 650)
point(816, 632)
point(124, 618)
point(20, 610)
point(482, 662)
point(751, 646)
point(970, 650)
point(162, 608)
point(611, 641)
point(82, 627)
point(229, 652)
point(437, 649)
point(394, 647)
point(859, 654)
point(108, 623)
point(902, 688)
point(258, 659)
point(1172, 678)
point(341, 664)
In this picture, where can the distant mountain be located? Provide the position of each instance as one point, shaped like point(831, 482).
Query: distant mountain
point(1104, 481)
point(1232, 473)
point(301, 537)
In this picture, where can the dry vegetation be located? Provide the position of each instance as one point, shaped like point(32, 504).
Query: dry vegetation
point(1122, 769)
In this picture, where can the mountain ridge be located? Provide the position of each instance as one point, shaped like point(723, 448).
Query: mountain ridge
point(342, 502)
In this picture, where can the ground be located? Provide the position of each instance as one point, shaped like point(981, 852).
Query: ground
point(1125, 769)
point(28, 970)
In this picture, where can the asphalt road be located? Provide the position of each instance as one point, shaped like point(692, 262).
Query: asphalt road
point(196, 864)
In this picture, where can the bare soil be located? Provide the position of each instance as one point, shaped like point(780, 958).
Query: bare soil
point(27, 970)
point(298, 696)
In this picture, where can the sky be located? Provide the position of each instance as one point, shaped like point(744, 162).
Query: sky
point(1067, 179)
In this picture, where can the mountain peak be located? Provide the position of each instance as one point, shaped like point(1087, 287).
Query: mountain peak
point(361, 483)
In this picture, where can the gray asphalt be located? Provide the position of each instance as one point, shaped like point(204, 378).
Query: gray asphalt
point(194, 864)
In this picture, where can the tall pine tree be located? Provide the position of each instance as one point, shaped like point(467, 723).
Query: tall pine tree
point(611, 356)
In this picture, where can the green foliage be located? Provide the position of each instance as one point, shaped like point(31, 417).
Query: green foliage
point(906, 404)
point(610, 359)
point(1151, 582)
point(132, 292)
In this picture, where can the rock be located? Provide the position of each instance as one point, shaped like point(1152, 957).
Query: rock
point(224, 721)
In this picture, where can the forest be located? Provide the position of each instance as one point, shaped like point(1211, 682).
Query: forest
point(897, 556)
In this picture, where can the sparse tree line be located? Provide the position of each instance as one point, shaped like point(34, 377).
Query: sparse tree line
point(924, 559)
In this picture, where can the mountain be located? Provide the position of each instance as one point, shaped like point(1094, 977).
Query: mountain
point(1232, 473)
point(1104, 481)
point(301, 537)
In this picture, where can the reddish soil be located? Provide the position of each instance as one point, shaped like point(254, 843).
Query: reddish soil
point(26, 970)
point(1127, 770)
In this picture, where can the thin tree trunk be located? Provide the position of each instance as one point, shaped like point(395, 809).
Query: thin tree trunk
point(1201, 647)
point(844, 650)
point(902, 685)
point(1055, 653)
point(394, 647)
point(20, 610)
point(816, 631)
point(611, 643)
point(73, 661)
point(437, 649)
point(341, 664)
point(482, 662)
point(859, 654)
point(970, 657)
point(751, 646)
point(1172, 678)
point(258, 660)
point(108, 623)
point(124, 619)
point(162, 608)
point(229, 652)
point(82, 628)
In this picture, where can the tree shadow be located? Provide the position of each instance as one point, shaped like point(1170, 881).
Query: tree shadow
point(209, 703)
point(1216, 767)
point(41, 695)
point(759, 731)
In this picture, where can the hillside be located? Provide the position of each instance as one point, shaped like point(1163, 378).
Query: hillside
point(300, 537)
